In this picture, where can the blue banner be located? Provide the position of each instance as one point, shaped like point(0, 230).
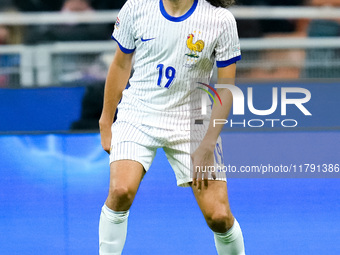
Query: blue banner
point(52, 188)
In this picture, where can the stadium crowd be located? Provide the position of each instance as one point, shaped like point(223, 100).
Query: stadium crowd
point(247, 28)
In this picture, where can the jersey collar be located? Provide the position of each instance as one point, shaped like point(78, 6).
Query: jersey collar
point(177, 19)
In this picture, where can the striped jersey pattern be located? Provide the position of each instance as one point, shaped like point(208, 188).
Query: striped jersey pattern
point(171, 53)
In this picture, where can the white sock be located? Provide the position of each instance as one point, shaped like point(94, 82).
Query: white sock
point(112, 231)
point(231, 242)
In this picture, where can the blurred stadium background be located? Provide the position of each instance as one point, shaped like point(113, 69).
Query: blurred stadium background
point(54, 175)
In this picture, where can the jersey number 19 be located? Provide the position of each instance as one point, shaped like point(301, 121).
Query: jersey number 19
point(170, 74)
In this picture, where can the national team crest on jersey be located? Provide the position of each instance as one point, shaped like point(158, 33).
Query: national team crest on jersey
point(194, 47)
point(117, 23)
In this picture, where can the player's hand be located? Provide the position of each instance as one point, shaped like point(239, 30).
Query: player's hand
point(105, 134)
point(202, 160)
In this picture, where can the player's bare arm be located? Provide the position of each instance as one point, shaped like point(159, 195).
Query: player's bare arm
point(204, 155)
point(117, 78)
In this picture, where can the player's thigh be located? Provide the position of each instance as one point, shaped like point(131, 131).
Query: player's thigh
point(214, 202)
point(125, 178)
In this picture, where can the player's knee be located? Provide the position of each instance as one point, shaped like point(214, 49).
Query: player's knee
point(219, 221)
point(121, 196)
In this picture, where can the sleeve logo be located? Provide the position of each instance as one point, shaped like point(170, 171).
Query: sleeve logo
point(236, 48)
point(117, 23)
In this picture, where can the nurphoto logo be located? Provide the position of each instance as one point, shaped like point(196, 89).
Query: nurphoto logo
point(239, 105)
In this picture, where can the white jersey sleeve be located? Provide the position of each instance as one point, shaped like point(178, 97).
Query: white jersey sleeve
point(227, 50)
point(123, 31)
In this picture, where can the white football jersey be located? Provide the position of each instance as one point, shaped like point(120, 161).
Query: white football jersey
point(171, 53)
